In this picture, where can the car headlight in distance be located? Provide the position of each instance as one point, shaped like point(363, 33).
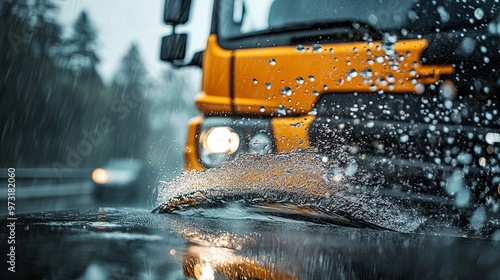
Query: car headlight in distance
point(100, 176)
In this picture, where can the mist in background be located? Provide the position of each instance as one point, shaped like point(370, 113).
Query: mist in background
point(59, 109)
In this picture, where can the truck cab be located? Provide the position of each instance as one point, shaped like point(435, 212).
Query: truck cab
point(407, 88)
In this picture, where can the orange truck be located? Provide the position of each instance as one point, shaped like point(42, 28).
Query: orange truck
point(409, 88)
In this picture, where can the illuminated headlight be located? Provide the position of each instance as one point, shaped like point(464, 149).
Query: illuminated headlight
point(221, 139)
point(100, 176)
point(218, 144)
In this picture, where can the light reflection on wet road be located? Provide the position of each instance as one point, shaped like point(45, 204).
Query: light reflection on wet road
point(135, 244)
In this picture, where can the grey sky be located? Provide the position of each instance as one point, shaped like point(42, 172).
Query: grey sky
point(119, 23)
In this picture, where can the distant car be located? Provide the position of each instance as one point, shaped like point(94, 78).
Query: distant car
point(120, 180)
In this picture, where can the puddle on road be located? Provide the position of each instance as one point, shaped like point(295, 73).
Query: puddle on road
point(304, 186)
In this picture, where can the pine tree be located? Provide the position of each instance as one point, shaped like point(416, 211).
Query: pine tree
point(81, 47)
point(130, 85)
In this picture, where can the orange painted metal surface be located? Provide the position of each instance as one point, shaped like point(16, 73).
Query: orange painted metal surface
point(266, 78)
point(190, 151)
point(291, 134)
point(287, 81)
point(214, 97)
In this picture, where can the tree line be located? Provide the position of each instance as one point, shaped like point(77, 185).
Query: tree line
point(55, 108)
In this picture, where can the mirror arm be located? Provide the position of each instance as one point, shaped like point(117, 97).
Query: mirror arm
point(196, 61)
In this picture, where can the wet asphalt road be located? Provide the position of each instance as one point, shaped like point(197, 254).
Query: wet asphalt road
point(109, 243)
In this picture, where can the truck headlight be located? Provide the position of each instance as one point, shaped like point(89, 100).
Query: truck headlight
point(221, 138)
point(217, 145)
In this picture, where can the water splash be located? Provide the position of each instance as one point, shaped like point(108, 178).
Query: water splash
point(296, 185)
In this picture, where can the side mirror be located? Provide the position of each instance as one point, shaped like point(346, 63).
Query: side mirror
point(173, 47)
point(176, 11)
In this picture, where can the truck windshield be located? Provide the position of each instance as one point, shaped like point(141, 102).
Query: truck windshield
point(238, 18)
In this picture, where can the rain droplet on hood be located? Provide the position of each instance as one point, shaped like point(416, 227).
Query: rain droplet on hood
point(366, 74)
point(300, 48)
point(282, 110)
point(255, 81)
point(272, 62)
point(299, 80)
point(286, 91)
point(351, 74)
point(268, 85)
point(388, 41)
point(316, 48)
point(390, 78)
point(311, 78)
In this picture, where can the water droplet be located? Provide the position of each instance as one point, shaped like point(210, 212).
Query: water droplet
point(325, 87)
point(315, 92)
point(352, 73)
point(443, 14)
point(390, 78)
point(388, 41)
point(300, 48)
point(262, 109)
point(255, 81)
point(286, 91)
point(311, 78)
point(366, 74)
point(479, 13)
point(268, 85)
point(379, 59)
point(419, 88)
point(355, 50)
point(404, 138)
point(299, 80)
point(272, 62)
point(381, 81)
point(316, 48)
point(282, 110)
point(370, 62)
